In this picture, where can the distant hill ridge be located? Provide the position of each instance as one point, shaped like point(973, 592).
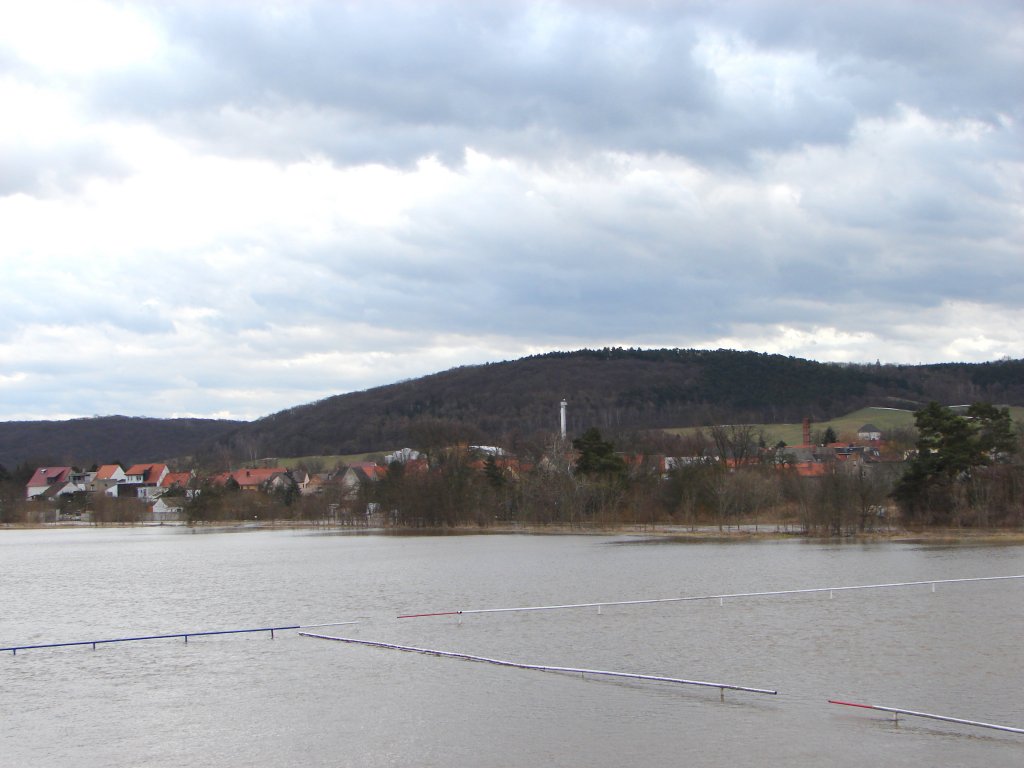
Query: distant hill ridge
point(612, 388)
point(103, 439)
point(617, 389)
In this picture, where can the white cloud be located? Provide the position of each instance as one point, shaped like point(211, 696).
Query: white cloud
point(236, 208)
point(79, 38)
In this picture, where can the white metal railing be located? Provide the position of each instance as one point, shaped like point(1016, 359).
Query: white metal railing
point(911, 713)
point(720, 598)
point(542, 667)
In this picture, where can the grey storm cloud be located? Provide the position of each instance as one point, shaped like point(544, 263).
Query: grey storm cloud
point(391, 82)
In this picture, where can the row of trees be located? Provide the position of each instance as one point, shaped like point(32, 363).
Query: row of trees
point(965, 471)
point(593, 485)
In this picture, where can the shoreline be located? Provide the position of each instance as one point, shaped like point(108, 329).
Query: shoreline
point(667, 533)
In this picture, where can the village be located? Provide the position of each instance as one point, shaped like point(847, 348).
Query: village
point(162, 495)
point(155, 493)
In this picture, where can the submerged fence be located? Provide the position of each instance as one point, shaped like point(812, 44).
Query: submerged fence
point(911, 713)
point(186, 635)
point(722, 687)
point(721, 598)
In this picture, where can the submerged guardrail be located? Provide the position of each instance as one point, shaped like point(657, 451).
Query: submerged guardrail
point(722, 687)
point(15, 648)
point(911, 713)
point(721, 598)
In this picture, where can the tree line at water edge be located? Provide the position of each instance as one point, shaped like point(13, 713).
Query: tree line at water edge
point(962, 469)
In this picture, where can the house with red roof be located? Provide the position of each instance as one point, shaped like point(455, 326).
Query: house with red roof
point(144, 480)
point(45, 477)
point(146, 474)
point(360, 472)
point(319, 482)
point(111, 472)
point(178, 485)
point(107, 479)
point(257, 479)
point(177, 480)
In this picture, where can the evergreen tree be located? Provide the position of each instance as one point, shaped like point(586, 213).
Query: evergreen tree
point(994, 431)
point(597, 456)
point(949, 448)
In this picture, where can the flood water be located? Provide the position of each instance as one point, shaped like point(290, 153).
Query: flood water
point(240, 700)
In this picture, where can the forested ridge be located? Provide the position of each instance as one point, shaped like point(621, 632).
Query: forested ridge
point(105, 439)
point(613, 389)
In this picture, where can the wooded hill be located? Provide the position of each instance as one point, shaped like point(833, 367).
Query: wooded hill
point(613, 389)
point(105, 439)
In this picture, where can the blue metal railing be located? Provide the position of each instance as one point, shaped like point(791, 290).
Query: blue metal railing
point(15, 648)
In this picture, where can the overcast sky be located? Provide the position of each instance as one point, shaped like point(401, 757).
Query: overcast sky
point(230, 208)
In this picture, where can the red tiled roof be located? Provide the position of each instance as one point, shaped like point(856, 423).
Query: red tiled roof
point(48, 476)
point(181, 479)
point(219, 479)
point(150, 472)
point(106, 472)
point(248, 478)
point(372, 470)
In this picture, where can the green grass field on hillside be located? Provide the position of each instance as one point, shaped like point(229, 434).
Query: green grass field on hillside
point(845, 427)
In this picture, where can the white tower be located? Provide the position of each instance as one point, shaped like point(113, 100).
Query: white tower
point(563, 418)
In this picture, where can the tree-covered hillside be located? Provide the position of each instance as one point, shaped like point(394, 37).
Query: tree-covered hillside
point(83, 442)
point(613, 389)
